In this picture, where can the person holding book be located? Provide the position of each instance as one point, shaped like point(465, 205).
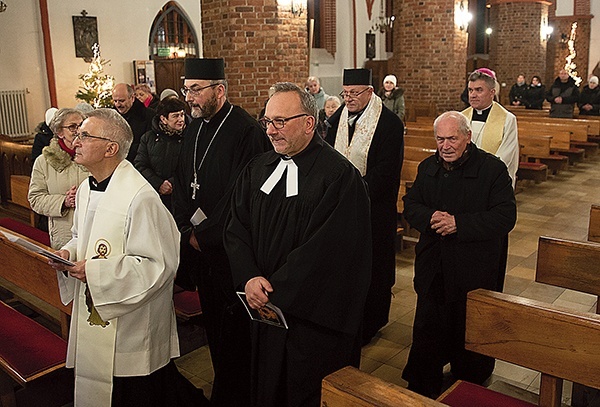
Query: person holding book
point(298, 238)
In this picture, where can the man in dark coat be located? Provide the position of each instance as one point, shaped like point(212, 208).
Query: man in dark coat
point(135, 113)
point(299, 239)
point(217, 145)
point(372, 137)
point(562, 95)
point(463, 205)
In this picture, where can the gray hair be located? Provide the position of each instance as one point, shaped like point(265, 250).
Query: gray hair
point(61, 116)
point(307, 101)
point(487, 79)
point(115, 128)
point(464, 127)
point(334, 98)
point(220, 82)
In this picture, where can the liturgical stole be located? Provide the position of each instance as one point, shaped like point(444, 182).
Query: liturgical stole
point(490, 136)
point(94, 356)
point(357, 151)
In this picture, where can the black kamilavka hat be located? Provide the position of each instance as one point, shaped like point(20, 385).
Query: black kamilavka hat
point(205, 68)
point(358, 77)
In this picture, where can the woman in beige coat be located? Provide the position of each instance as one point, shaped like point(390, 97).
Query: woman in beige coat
point(55, 177)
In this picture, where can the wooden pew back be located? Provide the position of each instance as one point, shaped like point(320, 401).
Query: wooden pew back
point(594, 225)
point(568, 264)
point(559, 343)
point(419, 141)
point(31, 273)
point(534, 146)
point(351, 387)
point(561, 138)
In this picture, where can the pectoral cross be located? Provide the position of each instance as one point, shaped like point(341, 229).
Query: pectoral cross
point(195, 186)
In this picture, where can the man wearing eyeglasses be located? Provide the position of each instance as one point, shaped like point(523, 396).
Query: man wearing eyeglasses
point(135, 113)
point(372, 137)
point(299, 238)
point(217, 144)
point(125, 250)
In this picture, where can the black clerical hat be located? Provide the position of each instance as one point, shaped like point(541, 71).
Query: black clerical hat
point(358, 77)
point(205, 68)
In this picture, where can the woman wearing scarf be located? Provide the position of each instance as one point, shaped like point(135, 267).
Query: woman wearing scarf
point(159, 148)
point(55, 177)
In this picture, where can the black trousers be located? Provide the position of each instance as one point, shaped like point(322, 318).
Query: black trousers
point(227, 327)
point(438, 339)
point(165, 387)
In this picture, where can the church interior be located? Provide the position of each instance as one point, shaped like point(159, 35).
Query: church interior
point(48, 46)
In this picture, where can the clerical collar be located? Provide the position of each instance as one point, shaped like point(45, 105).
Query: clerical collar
point(481, 115)
point(99, 186)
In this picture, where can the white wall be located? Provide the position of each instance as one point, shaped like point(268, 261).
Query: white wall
point(123, 33)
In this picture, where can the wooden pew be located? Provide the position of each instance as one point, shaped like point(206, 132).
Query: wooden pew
point(418, 141)
point(537, 149)
point(559, 343)
point(28, 351)
point(417, 154)
point(572, 265)
point(351, 387)
point(31, 273)
point(569, 264)
point(560, 142)
point(594, 224)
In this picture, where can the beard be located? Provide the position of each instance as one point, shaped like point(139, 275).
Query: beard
point(205, 111)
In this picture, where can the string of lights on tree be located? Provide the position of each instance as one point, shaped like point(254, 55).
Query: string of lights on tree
point(570, 66)
point(96, 87)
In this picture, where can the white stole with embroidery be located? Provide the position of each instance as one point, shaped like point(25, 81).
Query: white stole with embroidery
point(95, 352)
point(364, 129)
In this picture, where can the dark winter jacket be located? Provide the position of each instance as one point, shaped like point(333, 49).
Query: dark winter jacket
point(157, 158)
point(140, 120)
point(591, 97)
point(570, 95)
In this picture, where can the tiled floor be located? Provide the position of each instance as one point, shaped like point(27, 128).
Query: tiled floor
point(558, 208)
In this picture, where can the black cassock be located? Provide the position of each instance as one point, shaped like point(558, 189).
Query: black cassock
point(237, 138)
point(315, 249)
point(384, 163)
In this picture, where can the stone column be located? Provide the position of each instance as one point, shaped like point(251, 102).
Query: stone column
point(261, 42)
point(430, 52)
point(518, 42)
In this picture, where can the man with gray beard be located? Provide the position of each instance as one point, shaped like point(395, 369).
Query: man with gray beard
point(217, 145)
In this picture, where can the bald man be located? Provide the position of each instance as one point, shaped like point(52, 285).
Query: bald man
point(134, 112)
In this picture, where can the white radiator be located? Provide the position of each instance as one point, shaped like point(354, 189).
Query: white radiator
point(13, 113)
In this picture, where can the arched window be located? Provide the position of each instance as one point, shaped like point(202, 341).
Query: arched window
point(172, 35)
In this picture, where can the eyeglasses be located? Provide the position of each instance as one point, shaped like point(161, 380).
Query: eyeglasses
point(72, 127)
point(352, 94)
point(196, 90)
point(278, 123)
point(84, 135)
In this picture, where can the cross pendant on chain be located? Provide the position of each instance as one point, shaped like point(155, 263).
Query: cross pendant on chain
point(195, 186)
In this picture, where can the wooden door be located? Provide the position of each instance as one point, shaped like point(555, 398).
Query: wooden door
point(169, 74)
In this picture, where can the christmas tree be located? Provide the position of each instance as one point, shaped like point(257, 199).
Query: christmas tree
point(96, 86)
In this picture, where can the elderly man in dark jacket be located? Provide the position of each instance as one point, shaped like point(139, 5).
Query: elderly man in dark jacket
point(463, 204)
